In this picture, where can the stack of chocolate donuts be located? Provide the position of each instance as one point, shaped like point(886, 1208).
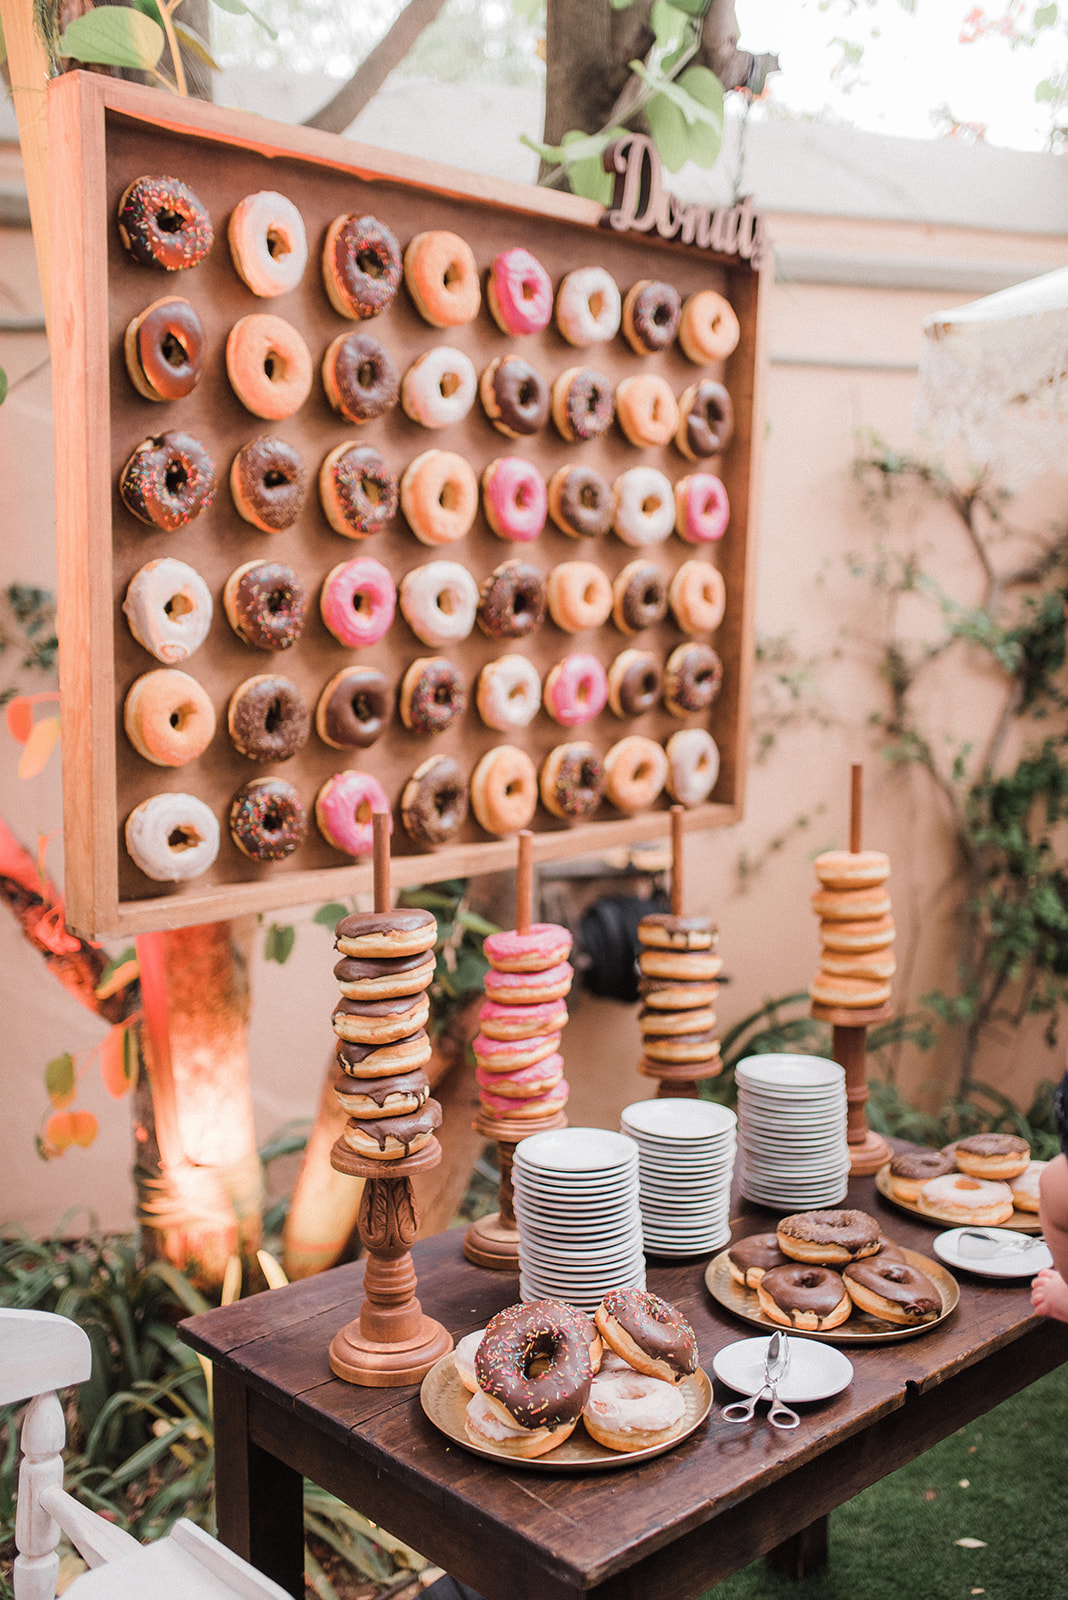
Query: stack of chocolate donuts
point(520, 1069)
point(386, 966)
point(856, 930)
point(679, 968)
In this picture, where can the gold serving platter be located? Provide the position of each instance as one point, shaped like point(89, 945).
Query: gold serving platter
point(859, 1328)
point(444, 1399)
point(1020, 1221)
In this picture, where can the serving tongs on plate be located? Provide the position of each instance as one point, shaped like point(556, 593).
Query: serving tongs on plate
point(776, 1361)
point(983, 1244)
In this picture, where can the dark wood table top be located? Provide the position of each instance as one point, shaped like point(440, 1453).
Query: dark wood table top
point(722, 1497)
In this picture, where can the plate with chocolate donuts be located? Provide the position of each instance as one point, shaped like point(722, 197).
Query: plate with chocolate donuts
point(983, 1180)
point(832, 1275)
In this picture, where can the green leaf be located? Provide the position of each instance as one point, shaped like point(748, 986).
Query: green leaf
point(1046, 90)
point(3, 374)
point(195, 45)
point(1045, 16)
point(621, 5)
point(669, 25)
point(330, 915)
point(692, 8)
point(686, 117)
point(586, 174)
point(278, 943)
point(238, 8)
point(112, 36)
point(59, 1077)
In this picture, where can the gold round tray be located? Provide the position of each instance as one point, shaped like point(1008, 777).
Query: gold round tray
point(859, 1328)
point(1021, 1221)
point(444, 1399)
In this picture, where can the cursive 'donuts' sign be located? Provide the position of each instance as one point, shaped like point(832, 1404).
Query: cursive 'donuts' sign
point(642, 204)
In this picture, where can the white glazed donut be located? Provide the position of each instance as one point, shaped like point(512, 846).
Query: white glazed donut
point(439, 602)
point(693, 765)
point(632, 1411)
point(169, 609)
point(268, 243)
point(644, 507)
point(509, 693)
point(588, 307)
point(439, 388)
point(172, 837)
point(464, 1357)
point(958, 1198)
point(1025, 1187)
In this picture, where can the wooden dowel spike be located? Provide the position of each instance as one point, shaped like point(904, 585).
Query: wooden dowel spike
point(524, 882)
point(856, 794)
point(676, 861)
point(380, 825)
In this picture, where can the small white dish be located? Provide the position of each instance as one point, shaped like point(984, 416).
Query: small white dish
point(576, 1150)
point(816, 1371)
point(1022, 1256)
point(685, 1121)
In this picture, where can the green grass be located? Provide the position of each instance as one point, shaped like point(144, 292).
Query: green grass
point(1003, 1480)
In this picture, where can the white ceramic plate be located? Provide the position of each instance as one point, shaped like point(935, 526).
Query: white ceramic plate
point(678, 1119)
point(816, 1371)
point(576, 1150)
point(1011, 1261)
point(807, 1071)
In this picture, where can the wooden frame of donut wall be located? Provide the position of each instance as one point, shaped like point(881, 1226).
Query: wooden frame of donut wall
point(104, 135)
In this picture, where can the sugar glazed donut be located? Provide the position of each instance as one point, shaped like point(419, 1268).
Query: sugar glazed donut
point(852, 869)
point(168, 481)
point(164, 349)
point(438, 602)
point(960, 1199)
point(583, 405)
point(708, 327)
point(580, 502)
point(646, 409)
point(168, 607)
point(514, 499)
point(828, 1236)
point(629, 1411)
point(580, 596)
point(651, 312)
point(442, 278)
point(644, 506)
point(576, 689)
point(519, 293)
point(361, 266)
point(693, 765)
point(516, 1340)
point(515, 396)
point(267, 718)
point(268, 243)
point(163, 224)
point(635, 772)
point(511, 600)
point(433, 694)
point(434, 802)
point(706, 421)
point(360, 378)
point(172, 837)
point(439, 497)
point(357, 490)
point(439, 387)
point(268, 484)
point(812, 1298)
point(268, 364)
point(265, 603)
point(911, 1169)
point(504, 791)
point(344, 808)
point(702, 510)
point(267, 819)
point(647, 1332)
point(634, 682)
point(588, 307)
point(693, 677)
point(992, 1155)
point(639, 597)
point(358, 602)
point(698, 597)
point(508, 693)
point(892, 1290)
point(354, 708)
point(168, 717)
point(571, 781)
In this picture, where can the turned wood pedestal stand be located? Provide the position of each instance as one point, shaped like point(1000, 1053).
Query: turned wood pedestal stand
point(868, 1151)
point(493, 1241)
point(391, 1342)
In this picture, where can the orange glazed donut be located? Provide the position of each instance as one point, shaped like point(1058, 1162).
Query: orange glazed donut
point(580, 596)
point(439, 497)
point(635, 771)
point(268, 365)
point(827, 989)
point(844, 905)
point(708, 328)
point(504, 790)
point(442, 278)
point(646, 409)
point(168, 717)
point(959, 1199)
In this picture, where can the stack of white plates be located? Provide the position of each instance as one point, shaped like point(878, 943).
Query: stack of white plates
point(685, 1165)
point(576, 1206)
point(792, 1149)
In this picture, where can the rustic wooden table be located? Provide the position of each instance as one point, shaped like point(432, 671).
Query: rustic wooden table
point(671, 1527)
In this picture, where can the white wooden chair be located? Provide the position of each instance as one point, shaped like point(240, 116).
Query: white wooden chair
point(40, 1353)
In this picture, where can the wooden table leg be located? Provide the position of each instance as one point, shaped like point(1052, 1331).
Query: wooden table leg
point(259, 1500)
point(806, 1552)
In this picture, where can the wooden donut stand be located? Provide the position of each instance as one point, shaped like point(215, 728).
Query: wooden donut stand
point(678, 1082)
point(493, 1241)
point(391, 1342)
point(868, 1151)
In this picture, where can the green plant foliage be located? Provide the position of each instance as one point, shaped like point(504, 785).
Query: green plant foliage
point(114, 36)
point(685, 116)
point(278, 942)
point(330, 915)
point(461, 967)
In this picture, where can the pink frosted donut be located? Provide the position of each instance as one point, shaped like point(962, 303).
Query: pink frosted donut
point(523, 1083)
point(529, 988)
point(576, 689)
point(543, 945)
point(519, 292)
point(702, 509)
point(358, 600)
point(344, 807)
point(512, 1055)
point(537, 1105)
point(515, 498)
point(521, 1022)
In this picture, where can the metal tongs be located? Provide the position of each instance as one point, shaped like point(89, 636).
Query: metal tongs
point(776, 1361)
point(983, 1246)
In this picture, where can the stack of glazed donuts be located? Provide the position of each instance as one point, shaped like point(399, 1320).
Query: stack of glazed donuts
point(856, 930)
point(520, 1070)
point(386, 967)
point(537, 1370)
point(679, 968)
point(430, 399)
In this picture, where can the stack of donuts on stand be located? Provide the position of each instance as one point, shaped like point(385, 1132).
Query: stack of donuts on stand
point(539, 1369)
point(856, 930)
point(679, 967)
point(520, 1069)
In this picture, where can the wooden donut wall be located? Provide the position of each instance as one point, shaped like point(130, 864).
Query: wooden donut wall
point(104, 135)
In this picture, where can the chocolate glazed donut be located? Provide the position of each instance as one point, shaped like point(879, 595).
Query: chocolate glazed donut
point(803, 1291)
point(354, 708)
point(518, 395)
point(910, 1294)
point(639, 684)
point(360, 377)
point(434, 802)
point(267, 718)
point(654, 310)
point(709, 419)
point(692, 678)
point(518, 1337)
point(268, 483)
point(511, 600)
point(165, 350)
point(582, 500)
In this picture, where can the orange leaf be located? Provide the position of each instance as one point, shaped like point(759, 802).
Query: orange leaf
point(123, 974)
point(59, 1129)
point(38, 747)
point(85, 1128)
point(20, 717)
point(113, 1062)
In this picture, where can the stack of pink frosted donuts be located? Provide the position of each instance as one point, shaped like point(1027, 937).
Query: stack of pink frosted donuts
point(520, 1069)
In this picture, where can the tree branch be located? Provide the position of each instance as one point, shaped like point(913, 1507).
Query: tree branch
point(341, 112)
